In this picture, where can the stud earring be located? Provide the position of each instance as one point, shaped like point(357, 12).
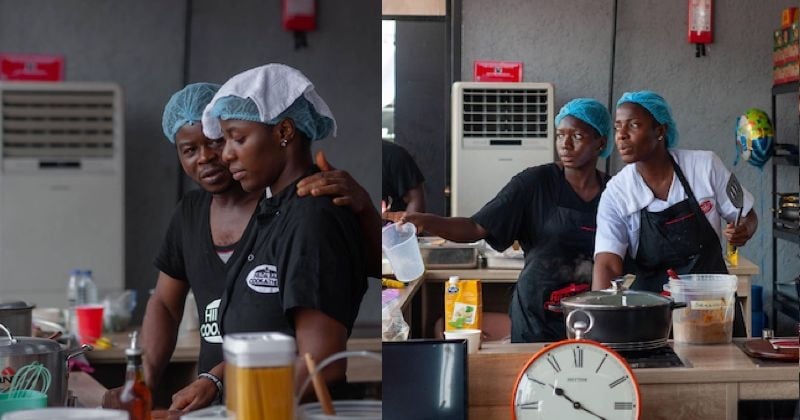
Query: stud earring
point(661, 138)
point(284, 142)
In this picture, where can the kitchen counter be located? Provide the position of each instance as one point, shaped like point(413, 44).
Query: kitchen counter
point(498, 284)
point(716, 378)
point(187, 349)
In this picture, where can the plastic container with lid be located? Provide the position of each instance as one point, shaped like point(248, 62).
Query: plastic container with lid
point(63, 413)
point(708, 315)
point(259, 375)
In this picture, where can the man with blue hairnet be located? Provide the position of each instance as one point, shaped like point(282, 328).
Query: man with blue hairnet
point(665, 208)
point(551, 210)
point(203, 236)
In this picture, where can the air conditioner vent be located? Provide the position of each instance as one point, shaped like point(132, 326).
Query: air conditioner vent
point(505, 113)
point(58, 123)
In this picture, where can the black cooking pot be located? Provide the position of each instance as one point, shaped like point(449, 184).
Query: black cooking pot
point(622, 319)
point(789, 207)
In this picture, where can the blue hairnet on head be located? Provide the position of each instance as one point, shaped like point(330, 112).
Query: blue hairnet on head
point(186, 107)
point(657, 107)
point(593, 113)
point(301, 111)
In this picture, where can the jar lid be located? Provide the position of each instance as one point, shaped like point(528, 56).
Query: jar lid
point(259, 349)
point(611, 299)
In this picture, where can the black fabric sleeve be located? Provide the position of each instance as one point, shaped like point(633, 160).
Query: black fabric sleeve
point(504, 216)
point(170, 257)
point(323, 263)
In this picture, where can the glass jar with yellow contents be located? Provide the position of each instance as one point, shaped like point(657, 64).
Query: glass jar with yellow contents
point(259, 375)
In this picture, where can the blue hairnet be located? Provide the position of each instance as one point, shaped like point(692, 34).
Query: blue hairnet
point(186, 107)
point(301, 111)
point(657, 107)
point(593, 113)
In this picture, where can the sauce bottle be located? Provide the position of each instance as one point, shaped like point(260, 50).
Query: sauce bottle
point(135, 396)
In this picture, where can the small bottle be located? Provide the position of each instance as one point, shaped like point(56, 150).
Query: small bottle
point(135, 396)
point(87, 290)
point(72, 299)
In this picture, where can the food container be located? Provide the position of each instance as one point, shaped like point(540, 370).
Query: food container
point(708, 316)
point(68, 414)
point(17, 316)
point(259, 365)
point(438, 253)
point(623, 319)
point(16, 352)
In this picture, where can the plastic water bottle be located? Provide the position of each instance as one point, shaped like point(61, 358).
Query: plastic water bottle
point(87, 290)
point(72, 298)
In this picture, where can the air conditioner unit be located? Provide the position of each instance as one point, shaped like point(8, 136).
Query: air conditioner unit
point(61, 188)
point(498, 130)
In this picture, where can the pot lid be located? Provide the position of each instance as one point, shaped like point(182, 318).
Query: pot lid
point(15, 305)
point(614, 299)
point(15, 346)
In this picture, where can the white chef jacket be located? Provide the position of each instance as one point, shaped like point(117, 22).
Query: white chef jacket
point(618, 217)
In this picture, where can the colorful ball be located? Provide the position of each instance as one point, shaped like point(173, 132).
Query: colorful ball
point(754, 137)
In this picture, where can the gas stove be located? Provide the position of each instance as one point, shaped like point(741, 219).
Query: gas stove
point(662, 357)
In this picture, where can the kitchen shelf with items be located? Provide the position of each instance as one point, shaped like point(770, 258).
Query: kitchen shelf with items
point(785, 217)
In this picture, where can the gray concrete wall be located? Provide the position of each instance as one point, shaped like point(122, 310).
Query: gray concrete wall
point(141, 46)
point(568, 43)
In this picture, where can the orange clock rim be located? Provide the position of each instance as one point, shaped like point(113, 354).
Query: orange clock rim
point(551, 346)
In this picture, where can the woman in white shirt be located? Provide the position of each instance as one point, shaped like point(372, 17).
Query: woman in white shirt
point(666, 206)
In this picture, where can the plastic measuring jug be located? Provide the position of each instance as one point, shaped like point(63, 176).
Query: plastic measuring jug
point(399, 243)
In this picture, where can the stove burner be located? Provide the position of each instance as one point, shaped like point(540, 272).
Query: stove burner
point(661, 357)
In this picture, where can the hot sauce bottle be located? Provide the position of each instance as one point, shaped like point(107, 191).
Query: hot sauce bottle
point(135, 396)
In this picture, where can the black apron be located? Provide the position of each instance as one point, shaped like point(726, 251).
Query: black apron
point(566, 243)
point(681, 238)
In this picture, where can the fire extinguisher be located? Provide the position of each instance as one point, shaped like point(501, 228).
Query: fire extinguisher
point(700, 25)
point(299, 16)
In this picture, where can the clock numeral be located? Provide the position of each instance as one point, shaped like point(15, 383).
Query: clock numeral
point(617, 382)
point(533, 405)
point(577, 355)
point(553, 362)
point(623, 406)
point(535, 380)
point(605, 356)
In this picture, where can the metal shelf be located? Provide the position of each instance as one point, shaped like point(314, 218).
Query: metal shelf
point(785, 88)
point(786, 234)
point(787, 304)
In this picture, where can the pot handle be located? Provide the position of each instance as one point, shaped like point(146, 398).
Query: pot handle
point(579, 328)
point(677, 305)
point(8, 333)
point(77, 352)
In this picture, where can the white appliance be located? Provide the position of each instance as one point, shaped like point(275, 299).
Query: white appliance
point(61, 188)
point(499, 129)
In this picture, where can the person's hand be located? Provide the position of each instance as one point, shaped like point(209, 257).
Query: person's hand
point(738, 235)
point(401, 217)
point(198, 394)
point(337, 183)
point(111, 398)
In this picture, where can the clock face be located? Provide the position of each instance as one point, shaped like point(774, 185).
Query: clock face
point(576, 380)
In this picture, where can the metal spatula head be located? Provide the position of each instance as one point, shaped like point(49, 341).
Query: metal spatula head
point(735, 194)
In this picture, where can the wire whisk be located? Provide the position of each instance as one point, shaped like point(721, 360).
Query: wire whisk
point(31, 377)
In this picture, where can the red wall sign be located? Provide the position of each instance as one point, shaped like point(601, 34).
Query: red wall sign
point(48, 68)
point(498, 71)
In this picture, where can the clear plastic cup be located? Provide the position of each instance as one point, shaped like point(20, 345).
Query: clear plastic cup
point(709, 312)
point(90, 322)
point(400, 246)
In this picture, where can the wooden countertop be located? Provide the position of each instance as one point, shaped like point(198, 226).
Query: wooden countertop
point(187, 350)
point(745, 267)
point(723, 371)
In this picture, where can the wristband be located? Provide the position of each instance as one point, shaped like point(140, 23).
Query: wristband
point(215, 380)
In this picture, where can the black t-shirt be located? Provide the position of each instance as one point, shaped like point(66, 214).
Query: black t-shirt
point(521, 208)
point(187, 253)
point(400, 174)
point(304, 252)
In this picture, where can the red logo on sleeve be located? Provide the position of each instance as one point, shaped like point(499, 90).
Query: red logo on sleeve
point(706, 206)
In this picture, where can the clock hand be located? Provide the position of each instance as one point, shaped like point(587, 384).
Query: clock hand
point(575, 404)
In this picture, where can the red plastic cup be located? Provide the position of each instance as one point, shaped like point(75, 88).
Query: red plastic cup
point(90, 323)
